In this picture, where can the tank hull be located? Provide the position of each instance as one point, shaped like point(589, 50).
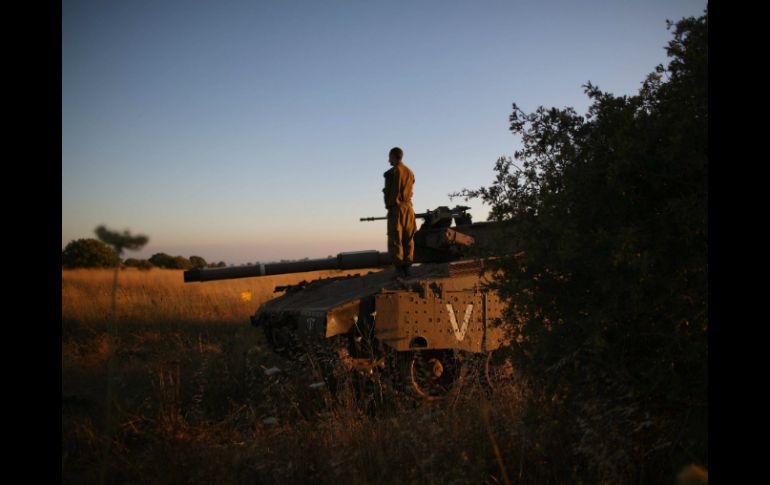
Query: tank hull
point(441, 306)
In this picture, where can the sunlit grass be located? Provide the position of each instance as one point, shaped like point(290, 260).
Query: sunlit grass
point(193, 402)
point(162, 295)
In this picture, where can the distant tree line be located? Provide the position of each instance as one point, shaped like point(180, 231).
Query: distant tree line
point(93, 253)
point(163, 260)
point(273, 262)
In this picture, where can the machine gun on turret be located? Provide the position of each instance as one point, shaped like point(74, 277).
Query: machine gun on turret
point(439, 217)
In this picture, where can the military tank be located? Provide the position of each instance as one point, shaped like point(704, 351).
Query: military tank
point(425, 331)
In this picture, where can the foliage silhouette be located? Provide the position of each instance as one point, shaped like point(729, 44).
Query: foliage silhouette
point(163, 260)
point(138, 263)
point(608, 290)
point(120, 241)
point(88, 253)
point(198, 262)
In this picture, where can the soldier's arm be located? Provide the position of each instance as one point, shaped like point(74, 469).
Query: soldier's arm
point(391, 188)
point(395, 186)
point(411, 184)
point(385, 191)
point(388, 190)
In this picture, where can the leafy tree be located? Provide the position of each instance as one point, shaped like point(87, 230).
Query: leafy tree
point(608, 285)
point(120, 241)
point(88, 253)
point(138, 263)
point(198, 262)
point(180, 262)
point(163, 260)
point(131, 262)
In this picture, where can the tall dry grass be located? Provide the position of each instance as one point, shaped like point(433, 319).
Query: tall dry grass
point(193, 403)
point(161, 295)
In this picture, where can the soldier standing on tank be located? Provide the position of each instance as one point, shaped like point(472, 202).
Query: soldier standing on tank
point(399, 181)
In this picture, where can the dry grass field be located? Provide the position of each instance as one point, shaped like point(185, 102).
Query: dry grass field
point(161, 295)
point(190, 401)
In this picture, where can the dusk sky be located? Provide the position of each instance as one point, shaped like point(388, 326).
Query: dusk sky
point(259, 130)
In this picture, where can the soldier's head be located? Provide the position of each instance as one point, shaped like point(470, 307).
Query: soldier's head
point(395, 156)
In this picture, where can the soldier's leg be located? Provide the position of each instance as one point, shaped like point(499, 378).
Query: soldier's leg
point(408, 235)
point(395, 246)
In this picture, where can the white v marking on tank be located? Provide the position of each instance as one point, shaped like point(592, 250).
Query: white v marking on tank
point(459, 333)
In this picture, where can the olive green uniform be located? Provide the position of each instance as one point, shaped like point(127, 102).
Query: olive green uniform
point(399, 181)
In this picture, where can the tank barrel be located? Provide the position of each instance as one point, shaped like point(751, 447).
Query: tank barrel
point(349, 260)
point(364, 219)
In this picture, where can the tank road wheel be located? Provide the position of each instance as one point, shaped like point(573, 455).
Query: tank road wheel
point(356, 374)
point(497, 372)
point(434, 374)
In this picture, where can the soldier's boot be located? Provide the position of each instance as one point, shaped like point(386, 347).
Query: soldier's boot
point(399, 267)
point(405, 269)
